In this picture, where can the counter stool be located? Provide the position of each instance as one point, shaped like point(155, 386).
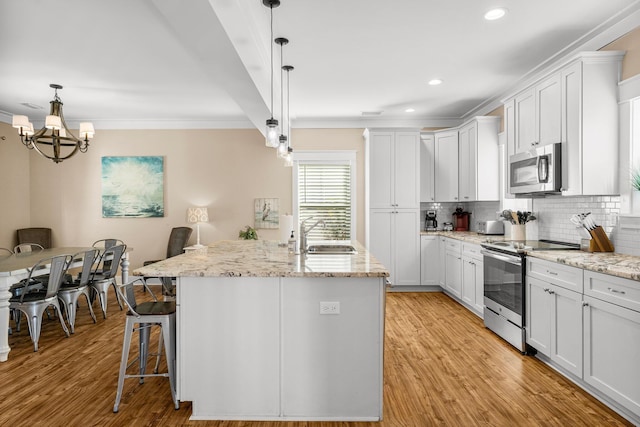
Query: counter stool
point(142, 317)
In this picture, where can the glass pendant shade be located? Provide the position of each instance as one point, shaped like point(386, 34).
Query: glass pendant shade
point(271, 139)
point(282, 147)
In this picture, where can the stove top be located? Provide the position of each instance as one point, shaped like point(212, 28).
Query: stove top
point(522, 246)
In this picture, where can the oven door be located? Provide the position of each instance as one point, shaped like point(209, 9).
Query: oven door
point(504, 285)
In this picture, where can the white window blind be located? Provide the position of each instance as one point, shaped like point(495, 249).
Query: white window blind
point(324, 192)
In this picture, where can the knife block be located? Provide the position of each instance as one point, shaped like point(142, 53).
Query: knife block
point(599, 241)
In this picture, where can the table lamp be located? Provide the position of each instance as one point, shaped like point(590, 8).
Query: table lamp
point(195, 216)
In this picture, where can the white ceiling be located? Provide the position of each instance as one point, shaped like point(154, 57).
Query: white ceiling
point(205, 63)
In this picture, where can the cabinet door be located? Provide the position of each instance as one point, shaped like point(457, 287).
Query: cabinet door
point(479, 269)
point(427, 168)
point(548, 111)
point(381, 180)
point(453, 264)
point(612, 351)
point(510, 128)
point(538, 326)
point(467, 163)
point(406, 234)
point(407, 170)
point(380, 238)
point(447, 167)
point(430, 256)
point(442, 272)
point(468, 291)
point(566, 329)
point(525, 121)
point(571, 82)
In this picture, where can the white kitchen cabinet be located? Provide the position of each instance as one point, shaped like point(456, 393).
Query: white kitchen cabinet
point(394, 240)
point(612, 351)
point(393, 164)
point(590, 124)
point(473, 278)
point(554, 313)
point(453, 266)
point(427, 167)
point(479, 172)
point(430, 256)
point(392, 229)
point(442, 271)
point(446, 170)
point(538, 114)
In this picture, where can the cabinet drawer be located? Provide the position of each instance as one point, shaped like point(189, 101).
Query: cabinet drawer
point(453, 245)
point(617, 290)
point(558, 274)
point(471, 250)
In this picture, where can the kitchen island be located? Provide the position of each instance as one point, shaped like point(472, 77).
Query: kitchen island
point(265, 335)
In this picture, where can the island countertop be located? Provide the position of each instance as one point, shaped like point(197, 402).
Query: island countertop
point(263, 258)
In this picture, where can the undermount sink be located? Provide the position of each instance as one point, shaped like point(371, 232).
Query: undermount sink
point(332, 249)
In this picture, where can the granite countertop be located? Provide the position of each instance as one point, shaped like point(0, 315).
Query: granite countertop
point(263, 258)
point(612, 263)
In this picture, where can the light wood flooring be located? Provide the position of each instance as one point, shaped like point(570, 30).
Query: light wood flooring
point(442, 367)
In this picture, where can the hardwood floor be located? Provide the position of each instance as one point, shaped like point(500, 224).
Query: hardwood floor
point(442, 367)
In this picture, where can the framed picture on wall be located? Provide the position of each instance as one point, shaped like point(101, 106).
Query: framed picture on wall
point(266, 213)
point(133, 187)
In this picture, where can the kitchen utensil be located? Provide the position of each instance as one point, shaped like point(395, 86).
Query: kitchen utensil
point(515, 218)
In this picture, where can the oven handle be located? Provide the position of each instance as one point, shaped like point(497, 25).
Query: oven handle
point(502, 257)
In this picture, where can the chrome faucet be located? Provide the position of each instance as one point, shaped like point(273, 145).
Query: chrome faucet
point(304, 231)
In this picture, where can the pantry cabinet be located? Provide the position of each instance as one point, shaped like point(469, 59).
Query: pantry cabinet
point(446, 166)
point(392, 219)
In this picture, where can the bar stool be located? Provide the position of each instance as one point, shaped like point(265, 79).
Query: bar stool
point(142, 317)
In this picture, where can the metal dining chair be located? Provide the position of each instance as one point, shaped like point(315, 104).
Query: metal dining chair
point(27, 247)
point(106, 244)
point(142, 317)
point(5, 252)
point(71, 289)
point(34, 303)
point(104, 275)
point(178, 239)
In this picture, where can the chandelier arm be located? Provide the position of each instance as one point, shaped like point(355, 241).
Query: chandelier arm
point(56, 159)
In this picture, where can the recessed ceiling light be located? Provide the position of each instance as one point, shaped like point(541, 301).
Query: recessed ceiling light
point(494, 14)
point(409, 110)
point(435, 82)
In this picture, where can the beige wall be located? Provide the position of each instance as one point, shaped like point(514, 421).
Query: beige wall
point(630, 43)
point(222, 169)
point(14, 186)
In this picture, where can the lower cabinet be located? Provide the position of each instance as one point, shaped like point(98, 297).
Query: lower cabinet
point(473, 278)
point(453, 267)
point(430, 257)
point(442, 271)
point(554, 323)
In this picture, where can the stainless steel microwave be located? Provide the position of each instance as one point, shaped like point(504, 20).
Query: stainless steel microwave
point(537, 171)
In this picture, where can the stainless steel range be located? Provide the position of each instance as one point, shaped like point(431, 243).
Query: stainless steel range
point(504, 280)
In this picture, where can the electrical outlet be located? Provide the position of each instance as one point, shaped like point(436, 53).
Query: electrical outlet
point(329, 307)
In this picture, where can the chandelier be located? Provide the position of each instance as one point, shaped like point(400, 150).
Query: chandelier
point(54, 141)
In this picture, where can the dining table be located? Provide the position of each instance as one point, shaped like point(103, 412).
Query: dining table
point(15, 267)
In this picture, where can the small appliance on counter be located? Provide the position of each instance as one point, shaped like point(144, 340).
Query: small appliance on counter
point(447, 226)
point(491, 227)
point(430, 221)
point(461, 220)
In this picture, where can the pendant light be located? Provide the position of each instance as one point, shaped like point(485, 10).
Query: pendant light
point(288, 157)
point(272, 131)
point(282, 144)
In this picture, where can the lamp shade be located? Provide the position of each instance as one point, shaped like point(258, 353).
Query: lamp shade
point(20, 122)
point(53, 122)
point(195, 215)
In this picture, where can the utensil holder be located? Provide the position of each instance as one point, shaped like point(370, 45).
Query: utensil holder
point(518, 232)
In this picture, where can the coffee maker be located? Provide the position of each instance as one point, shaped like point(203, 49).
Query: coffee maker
point(430, 221)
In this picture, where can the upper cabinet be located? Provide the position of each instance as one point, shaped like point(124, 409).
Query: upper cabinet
point(394, 165)
point(478, 169)
point(575, 104)
point(427, 167)
point(446, 170)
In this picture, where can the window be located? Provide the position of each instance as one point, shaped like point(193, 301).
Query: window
point(324, 188)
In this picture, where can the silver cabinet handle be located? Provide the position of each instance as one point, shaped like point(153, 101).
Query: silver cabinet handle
point(553, 273)
point(615, 291)
point(585, 304)
point(551, 291)
point(466, 197)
